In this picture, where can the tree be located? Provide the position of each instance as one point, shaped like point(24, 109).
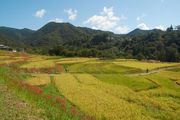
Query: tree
point(140, 56)
point(178, 27)
point(172, 54)
point(169, 29)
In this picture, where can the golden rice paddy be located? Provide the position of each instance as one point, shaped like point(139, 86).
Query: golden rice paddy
point(109, 101)
point(144, 65)
point(105, 89)
point(39, 79)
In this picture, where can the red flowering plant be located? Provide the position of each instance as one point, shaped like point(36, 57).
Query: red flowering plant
point(59, 68)
point(55, 101)
point(73, 110)
point(62, 103)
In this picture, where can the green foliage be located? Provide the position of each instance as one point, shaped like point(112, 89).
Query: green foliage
point(163, 46)
point(14, 37)
point(64, 39)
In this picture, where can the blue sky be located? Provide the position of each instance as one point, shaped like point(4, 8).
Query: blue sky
point(119, 16)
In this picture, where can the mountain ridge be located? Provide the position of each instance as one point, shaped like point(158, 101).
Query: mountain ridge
point(77, 27)
point(68, 40)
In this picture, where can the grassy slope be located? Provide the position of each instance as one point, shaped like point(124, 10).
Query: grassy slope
point(15, 108)
point(12, 107)
point(51, 109)
point(52, 112)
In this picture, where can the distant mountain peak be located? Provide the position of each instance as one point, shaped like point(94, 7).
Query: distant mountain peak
point(56, 23)
point(139, 31)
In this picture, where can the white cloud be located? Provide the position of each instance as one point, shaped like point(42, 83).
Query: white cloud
point(101, 22)
point(121, 30)
point(160, 27)
point(40, 13)
point(140, 18)
point(57, 20)
point(109, 12)
point(72, 14)
point(143, 26)
point(105, 21)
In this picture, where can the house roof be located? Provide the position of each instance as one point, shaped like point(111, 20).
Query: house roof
point(3, 46)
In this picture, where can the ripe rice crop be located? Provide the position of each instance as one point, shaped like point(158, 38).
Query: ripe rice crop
point(137, 83)
point(39, 79)
point(99, 68)
point(5, 57)
point(40, 64)
point(8, 62)
point(94, 98)
point(74, 60)
point(170, 74)
point(100, 88)
point(144, 65)
point(114, 101)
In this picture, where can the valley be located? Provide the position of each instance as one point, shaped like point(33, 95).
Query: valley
point(92, 88)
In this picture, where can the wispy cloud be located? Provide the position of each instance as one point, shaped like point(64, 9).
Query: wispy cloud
point(121, 29)
point(141, 17)
point(57, 20)
point(40, 13)
point(143, 26)
point(160, 27)
point(72, 14)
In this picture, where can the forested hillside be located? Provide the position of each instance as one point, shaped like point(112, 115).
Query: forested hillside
point(13, 37)
point(68, 40)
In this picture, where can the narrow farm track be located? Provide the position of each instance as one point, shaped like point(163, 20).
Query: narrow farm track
point(13, 108)
point(153, 71)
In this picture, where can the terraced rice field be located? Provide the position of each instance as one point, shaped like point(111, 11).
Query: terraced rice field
point(39, 79)
point(107, 89)
point(115, 101)
point(95, 97)
point(144, 65)
point(135, 83)
point(101, 67)
point(75, 60)
point(40, 64)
